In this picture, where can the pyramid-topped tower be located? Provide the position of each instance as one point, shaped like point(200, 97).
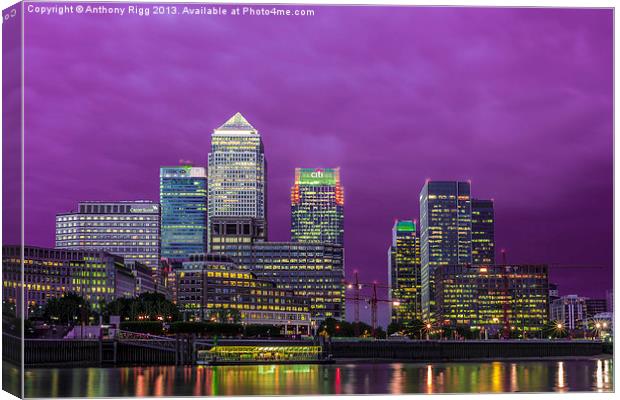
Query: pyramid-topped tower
point(237, 123)
point(237, 174)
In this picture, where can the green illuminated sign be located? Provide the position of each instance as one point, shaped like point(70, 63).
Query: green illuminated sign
point(405, 226)
point(317, 176)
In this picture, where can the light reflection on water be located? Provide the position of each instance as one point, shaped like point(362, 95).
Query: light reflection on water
point(395, 378)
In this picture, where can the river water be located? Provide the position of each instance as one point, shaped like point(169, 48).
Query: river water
point(393, 378)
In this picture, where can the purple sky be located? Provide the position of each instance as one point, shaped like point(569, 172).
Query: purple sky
point(517, 100)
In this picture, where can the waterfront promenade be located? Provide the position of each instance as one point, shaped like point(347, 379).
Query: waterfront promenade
point(182, 350)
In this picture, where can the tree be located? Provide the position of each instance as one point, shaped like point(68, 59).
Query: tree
point(395, 327)
point(230, 316)
point(146, 307)
point(337, 328)
point(457, 331)
point(361, 328)
point(71, 308)
point(380, 333)
point(415, 328)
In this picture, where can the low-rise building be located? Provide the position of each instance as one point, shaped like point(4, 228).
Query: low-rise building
point(571, 311)
point(209, 286)
point(49, 273)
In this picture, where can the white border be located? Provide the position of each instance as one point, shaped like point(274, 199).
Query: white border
point(480, 3)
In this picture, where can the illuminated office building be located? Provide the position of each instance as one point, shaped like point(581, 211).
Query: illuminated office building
point(404, 273)
point(50, 273)
point(445, 233)
point(482, 232)
point(211, 286)
point(317, 206)
point(125, 228)
point(146, 281)
point(311, 270)
point(476, 296)
point(570, 310)
point(237, 173)
point(183, 199)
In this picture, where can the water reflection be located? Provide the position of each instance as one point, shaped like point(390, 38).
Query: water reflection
point(514, 384)
point(561, 378)
point(599, 375)
point(466, 377)
point(429, 379)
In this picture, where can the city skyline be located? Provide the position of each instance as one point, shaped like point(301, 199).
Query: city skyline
point(534, 140)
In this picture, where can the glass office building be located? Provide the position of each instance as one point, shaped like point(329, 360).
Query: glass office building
point(482, 232)
point(183, 199)
point(237, 173)
point(445, 233)
point(125, 228)
point(480, 296)
point(311, 270)
point(404, 273)
point(317, 206)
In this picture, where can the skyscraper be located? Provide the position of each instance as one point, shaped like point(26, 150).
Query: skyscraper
point(125, 228)
point(445, 233)
point(183, 199)
point(482, 232)
point(404, 276)
point(237, 173)
point(317, 206)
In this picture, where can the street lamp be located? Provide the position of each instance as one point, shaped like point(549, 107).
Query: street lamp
point(428, 327)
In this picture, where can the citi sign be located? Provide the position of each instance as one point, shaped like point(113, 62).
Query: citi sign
point(317, 174)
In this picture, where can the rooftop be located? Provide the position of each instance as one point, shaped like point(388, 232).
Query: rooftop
point(237, 123)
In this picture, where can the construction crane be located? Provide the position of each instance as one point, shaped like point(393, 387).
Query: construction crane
point(373, 301)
